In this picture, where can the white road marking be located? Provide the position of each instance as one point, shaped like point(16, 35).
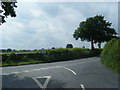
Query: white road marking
point(27, 71)
point(15, 72)
point(42, 69)
point(11, 73)
point(82, 86)
point(32, 70)
point(70, 70)
point(5, 74)
point(50, 68)
point(45, 83)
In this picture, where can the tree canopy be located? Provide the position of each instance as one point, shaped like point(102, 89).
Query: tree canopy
point(7, 9)
point(95, 30)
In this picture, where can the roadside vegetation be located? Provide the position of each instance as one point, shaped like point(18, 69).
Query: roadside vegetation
point(110, 55)
point(51, 55)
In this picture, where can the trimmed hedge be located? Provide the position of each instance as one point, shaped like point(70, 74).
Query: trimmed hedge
point(52, 55)
point(22, 57)
point(110, 55)
point(67, 54)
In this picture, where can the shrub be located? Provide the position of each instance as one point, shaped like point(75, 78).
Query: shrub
point(51, 55)
point(61, 54)
point(96, 52)
point(110, 55)
point(22, 57)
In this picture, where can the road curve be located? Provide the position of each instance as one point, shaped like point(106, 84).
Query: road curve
point(79, 73)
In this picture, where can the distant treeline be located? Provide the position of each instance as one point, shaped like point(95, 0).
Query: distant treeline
point(13, 50)
point(35, 50)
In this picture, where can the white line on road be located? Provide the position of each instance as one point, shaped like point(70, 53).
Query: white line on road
point(41, 69)
point(45, 83)
point(15, 73)
point(82, 86)
point(32, 70)
point(70, 70)
point(50, 68)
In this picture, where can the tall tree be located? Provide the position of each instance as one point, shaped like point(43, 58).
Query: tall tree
point(7, 9)
point(95, 30)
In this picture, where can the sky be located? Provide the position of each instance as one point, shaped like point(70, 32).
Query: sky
point(52, 24)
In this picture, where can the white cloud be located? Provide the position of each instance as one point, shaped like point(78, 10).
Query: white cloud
point(36, 13)
point(69, 0)
point(41, 25)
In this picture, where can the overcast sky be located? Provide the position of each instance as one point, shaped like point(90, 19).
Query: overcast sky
point(52, 24)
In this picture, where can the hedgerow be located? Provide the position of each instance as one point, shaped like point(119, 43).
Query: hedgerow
point(51, 55)
point(110, 55)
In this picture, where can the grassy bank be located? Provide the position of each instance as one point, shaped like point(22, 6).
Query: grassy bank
point(110, 55)
point(11, 63)
point(51, 55)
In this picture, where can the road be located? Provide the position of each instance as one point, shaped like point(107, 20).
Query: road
point(79, 73)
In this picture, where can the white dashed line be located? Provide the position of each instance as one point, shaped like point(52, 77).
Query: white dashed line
point(41, 69)
point(27, 71)
point(49, 68)
point(82, 86)
point(32, 70)
point(15, 72)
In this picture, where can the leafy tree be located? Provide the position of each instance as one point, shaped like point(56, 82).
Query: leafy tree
point(8, 9)
point(9, 50)
point(95, 30)
point(69, 46)
point(53, 48)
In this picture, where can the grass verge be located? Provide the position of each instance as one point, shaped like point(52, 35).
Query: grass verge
point(11, 63)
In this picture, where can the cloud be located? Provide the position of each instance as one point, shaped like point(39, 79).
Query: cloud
point(68, 1)
point(44, 25)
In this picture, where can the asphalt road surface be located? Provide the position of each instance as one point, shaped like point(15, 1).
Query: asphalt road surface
point(79, 73)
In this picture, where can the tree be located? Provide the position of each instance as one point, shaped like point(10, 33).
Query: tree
point(9, 50)
point(8, 9)
point(95, 30)
point(69, 46)
point(53, 48)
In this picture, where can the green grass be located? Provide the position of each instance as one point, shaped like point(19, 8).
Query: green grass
point(11, 63)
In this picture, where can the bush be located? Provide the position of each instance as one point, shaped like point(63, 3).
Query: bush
point(22, 57)
point(51, 55)
point(96, 52)
point(110, 55)
point(61, 54)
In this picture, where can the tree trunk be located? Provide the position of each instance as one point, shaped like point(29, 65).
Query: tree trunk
point(99, 45)
point(92, 45)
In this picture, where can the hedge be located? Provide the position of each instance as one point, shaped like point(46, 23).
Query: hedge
point(110, 55)
point(52, 55)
